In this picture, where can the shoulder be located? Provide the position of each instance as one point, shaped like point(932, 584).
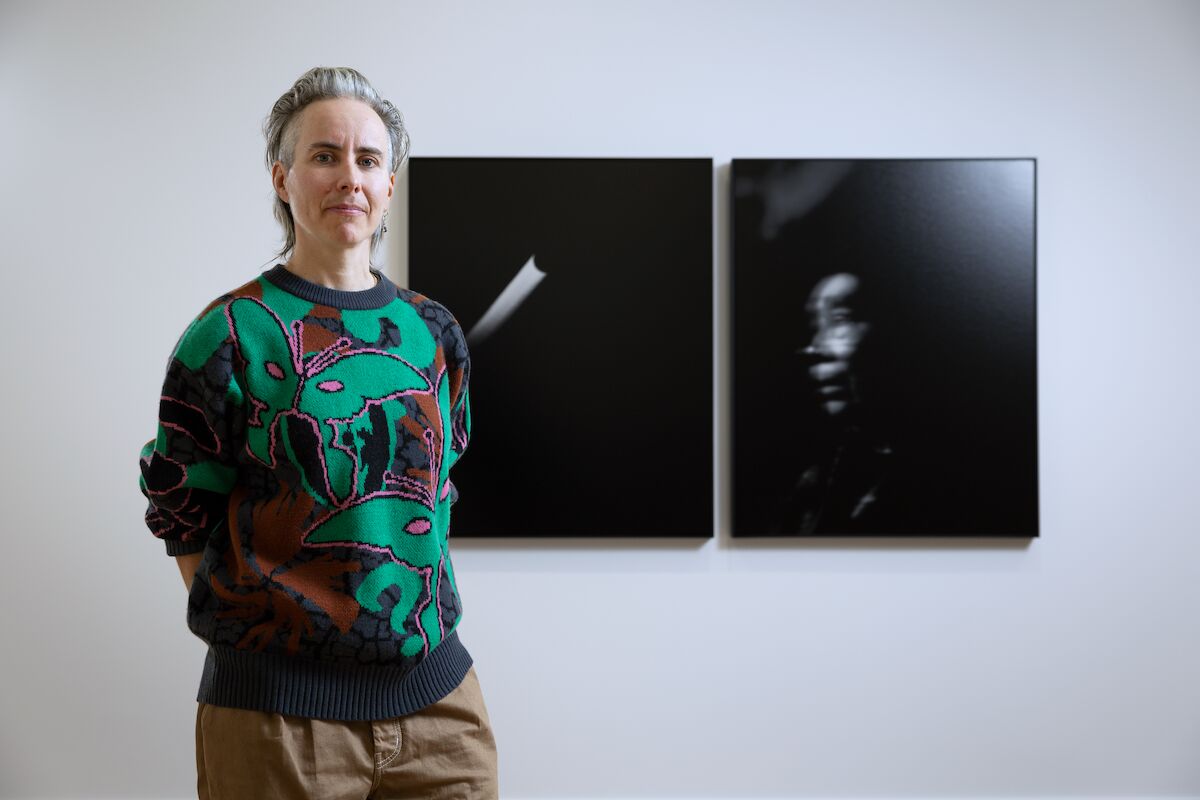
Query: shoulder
point(210, 327)
point(425, 305)
point(442, 323)
point(251, 288)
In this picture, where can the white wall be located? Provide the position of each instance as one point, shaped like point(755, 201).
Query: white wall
point(133, 192)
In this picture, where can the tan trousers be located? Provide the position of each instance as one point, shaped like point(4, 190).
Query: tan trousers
point(446, 750)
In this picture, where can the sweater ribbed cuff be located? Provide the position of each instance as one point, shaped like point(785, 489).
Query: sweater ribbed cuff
point(178, 548)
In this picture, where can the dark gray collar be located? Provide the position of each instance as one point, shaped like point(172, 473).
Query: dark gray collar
point(377, 296)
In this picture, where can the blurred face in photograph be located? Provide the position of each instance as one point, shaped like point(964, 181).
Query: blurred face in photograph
point(838, 336)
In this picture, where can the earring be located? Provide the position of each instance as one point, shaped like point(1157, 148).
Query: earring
point(384, 221)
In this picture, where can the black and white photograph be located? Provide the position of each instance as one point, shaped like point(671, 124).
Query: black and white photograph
point(884, 347)
point(584, 287)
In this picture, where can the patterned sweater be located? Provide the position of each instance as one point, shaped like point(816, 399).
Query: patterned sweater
point(304, 446)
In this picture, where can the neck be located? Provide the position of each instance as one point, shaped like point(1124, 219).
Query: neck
point(347, 270)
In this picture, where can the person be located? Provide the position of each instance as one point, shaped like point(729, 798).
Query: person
point(848, 486)
point(300, 477)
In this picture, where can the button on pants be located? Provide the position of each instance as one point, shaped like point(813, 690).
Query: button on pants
point(446, 750)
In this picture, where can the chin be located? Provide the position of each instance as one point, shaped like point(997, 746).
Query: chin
point(350, 241)
point(835, 408)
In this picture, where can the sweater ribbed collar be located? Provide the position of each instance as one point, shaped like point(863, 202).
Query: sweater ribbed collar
point(378, 296)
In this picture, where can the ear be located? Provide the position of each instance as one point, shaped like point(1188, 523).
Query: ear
point(278, 180)
point(391, 184)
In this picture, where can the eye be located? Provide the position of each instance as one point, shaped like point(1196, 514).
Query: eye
point(369, 161)
point(323, 158)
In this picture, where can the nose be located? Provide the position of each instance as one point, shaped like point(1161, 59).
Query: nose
point(815, 350)
point(350, 179)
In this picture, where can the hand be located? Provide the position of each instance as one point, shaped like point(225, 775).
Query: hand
point(187, 567)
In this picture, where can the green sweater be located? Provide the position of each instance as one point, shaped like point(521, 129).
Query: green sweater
point(304, 446)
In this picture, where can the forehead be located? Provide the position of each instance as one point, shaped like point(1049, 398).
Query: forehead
point(832, 291)
point(340, 119)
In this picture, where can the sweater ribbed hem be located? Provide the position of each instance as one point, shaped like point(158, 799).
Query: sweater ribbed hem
point(304, 688)
point(378, 296)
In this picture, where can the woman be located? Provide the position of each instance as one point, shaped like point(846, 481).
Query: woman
point(300, 476)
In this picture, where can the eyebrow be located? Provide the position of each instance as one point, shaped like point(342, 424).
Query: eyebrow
point(331, 146)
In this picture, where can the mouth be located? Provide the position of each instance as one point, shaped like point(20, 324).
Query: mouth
point(352, 210)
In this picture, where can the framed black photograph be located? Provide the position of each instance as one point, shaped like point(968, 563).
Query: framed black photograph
point(585, 289)
point(884, 347)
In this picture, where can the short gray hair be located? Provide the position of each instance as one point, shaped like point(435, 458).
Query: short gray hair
point(281, 129)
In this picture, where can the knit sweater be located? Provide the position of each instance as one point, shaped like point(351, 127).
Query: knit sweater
point(304, 446)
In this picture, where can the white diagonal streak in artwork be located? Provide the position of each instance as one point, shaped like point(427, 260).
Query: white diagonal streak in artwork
point(506, 303)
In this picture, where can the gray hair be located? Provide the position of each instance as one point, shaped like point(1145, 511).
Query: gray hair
point(281, 129)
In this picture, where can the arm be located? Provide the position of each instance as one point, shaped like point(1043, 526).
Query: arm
point(190, 468)
point(460, 403)
point(187, 567)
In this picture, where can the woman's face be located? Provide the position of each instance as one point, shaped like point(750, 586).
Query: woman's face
point(341, 180)
point(838, 333)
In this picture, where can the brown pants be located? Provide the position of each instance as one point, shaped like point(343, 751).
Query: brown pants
point(444, 751)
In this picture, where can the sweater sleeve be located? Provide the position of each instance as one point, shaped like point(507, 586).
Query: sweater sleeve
point(460, 399)
point(189, 469)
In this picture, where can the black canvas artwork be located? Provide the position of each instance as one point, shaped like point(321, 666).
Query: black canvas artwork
point(585, 290)
point(884, 348)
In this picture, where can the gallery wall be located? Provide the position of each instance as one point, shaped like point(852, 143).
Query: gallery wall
point(1063, 666)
